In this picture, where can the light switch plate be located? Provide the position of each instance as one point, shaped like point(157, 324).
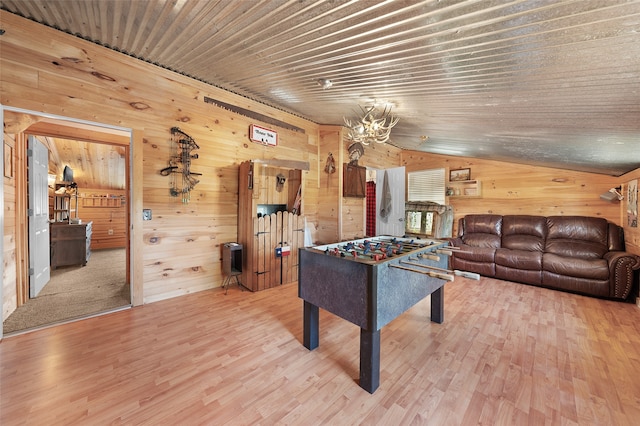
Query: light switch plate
point(146, 214)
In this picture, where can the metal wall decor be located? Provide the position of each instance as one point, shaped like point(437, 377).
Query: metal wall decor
point(182, 178)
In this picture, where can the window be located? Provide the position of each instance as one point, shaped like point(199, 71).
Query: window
point(427, 185)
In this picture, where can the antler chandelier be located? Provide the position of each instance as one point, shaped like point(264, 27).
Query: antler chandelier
point(371, 127)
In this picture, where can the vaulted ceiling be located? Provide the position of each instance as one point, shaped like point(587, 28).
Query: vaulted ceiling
point(553, 83)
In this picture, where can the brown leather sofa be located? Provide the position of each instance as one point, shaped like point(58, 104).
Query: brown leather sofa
point(579, 254)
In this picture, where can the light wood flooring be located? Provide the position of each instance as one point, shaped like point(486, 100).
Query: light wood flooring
point(507, 354)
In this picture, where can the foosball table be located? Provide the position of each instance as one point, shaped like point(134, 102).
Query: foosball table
point(370, 282)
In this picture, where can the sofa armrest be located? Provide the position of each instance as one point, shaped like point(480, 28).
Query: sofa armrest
point(456, 241)
point(621, 267)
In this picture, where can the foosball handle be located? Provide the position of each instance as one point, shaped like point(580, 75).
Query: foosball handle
point(429, 256)
point(445, 277)
point(470, 275)
point(444, 252)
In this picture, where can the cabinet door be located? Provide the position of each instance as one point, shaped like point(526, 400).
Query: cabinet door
point(354, 181)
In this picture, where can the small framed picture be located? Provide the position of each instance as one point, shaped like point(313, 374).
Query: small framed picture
point(459, 174)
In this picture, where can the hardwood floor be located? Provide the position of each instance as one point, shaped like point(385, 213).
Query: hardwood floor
point(506, 354)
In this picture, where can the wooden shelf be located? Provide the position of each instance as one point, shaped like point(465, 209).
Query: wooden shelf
point(104, 202)
point(64, 205)
point(464, 189)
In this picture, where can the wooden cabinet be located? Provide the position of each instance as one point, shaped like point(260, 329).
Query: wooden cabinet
point(270, 240)
point(355, 181)
point(70, 244)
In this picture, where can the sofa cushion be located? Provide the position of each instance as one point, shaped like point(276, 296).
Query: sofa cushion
point(519, 259)
point(519, 275)
point(600, 288)
point(577, 236)
point(476, 254)
point(594, 269)
point(482, 230)
point(488, 269)
point(616, 238)
point(520, 232)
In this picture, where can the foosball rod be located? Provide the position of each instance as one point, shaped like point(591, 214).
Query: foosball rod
point(382, 252)
point(471, 275)
point(409, 243)
point(450, 250)
point(429, 256)
point(439, 275)
point(373, 255)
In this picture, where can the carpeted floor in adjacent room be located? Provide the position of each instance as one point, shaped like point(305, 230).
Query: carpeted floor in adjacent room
point(76, 291)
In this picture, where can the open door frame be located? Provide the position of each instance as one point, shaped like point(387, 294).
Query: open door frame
point(133, 145)
point(397, 183)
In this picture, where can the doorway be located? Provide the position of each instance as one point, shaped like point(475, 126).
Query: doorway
point(389, 201)
point(80, 140)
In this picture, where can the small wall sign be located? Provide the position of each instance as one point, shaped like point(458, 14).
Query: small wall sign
point(264, 136)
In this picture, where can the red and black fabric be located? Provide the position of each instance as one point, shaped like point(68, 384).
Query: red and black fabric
point(371, 209)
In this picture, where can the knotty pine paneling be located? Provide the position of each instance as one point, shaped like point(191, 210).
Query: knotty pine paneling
point(55, 73)
point(108, 214)
point(343, 218)
point(9, 300)
point(354, 210)
point(330, 188)
point(383, 156)
point(631, 235)
point(520, 189)
point(353, 218)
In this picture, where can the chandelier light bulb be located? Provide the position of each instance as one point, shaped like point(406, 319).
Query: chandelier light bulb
point(371, 126)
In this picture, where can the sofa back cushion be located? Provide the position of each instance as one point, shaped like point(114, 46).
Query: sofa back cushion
point(481, 230)
point(520, 232)
point(577, 236)
point(616, 238)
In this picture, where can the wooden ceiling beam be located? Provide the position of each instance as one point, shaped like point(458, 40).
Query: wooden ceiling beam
point(79, 132)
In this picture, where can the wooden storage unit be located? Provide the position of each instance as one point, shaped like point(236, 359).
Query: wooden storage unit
point(65, 205)
point(101, 201)
point(262, 268)
point(354, 181)
point(70, 244)
point(464, 188)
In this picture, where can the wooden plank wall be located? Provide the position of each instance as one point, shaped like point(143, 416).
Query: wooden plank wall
point(343, 218)
point(330, 190)
point(354, 212)
point(631, 234)
point(9, 301)
point(107, 210)
point(55, 73)
point(521, 189)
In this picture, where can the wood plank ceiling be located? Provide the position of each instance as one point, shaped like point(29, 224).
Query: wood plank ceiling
point(97, 155)
point(553, 83)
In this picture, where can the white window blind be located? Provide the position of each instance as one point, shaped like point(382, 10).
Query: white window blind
point(427, 185)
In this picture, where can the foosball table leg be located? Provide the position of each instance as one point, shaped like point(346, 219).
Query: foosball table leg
point(437, 305)
point(369, 360)
point(311, 326)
